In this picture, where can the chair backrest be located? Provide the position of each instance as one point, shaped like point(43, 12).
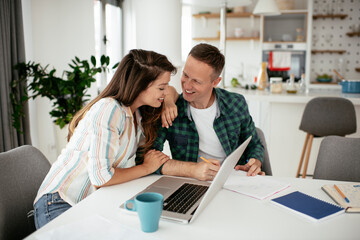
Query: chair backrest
point(266, 167)
point(22, 171)
point(338, 159)
point(325, 116)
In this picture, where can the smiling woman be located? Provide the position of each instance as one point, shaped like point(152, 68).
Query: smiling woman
point(106, 134)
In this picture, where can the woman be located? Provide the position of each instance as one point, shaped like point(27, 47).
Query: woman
point(104, 136)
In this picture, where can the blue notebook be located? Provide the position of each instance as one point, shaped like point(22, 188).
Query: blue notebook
point(308, 206)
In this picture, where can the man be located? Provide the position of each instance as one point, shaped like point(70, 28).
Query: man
point(211, 122)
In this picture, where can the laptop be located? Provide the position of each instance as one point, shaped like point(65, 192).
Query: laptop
point(185, 198)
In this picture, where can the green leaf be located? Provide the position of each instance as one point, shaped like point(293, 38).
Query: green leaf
point(102, 59)
point(93, 60)
point(116, 65)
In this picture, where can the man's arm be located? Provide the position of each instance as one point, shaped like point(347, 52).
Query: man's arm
point(201, 171)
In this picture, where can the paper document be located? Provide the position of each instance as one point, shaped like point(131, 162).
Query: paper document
point(95, 227)
point(259, 187)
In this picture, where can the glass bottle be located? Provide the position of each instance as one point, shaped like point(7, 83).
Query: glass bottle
point(290, 87)
point(262, 77)
point(302, 85)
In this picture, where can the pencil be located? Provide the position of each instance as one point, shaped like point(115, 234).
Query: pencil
point(341, 193)
point(204, 159)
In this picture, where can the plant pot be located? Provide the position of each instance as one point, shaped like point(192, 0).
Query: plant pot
point(350, 86)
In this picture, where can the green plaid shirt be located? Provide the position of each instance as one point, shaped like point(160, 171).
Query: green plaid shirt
point(233, 125)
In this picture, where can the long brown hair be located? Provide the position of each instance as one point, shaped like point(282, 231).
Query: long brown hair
point(135, 72)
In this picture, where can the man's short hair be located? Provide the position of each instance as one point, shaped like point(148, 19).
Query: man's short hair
point(210, 55)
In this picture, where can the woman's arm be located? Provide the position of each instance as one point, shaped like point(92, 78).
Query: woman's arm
point(169, 112)
point(152, 161)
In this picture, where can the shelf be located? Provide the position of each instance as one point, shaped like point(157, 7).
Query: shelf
point(284, 42)
point(328, 51)
point(352, 34)
point(228, 15)
point(228, 38)
point(341, 16)
point(325, 83)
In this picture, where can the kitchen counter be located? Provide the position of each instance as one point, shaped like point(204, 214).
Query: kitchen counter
point(279, 116)
point(293, 98)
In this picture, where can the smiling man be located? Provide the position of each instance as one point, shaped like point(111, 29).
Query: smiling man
point(211, 122)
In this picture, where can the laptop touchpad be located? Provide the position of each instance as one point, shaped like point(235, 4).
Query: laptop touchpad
point(161, 190)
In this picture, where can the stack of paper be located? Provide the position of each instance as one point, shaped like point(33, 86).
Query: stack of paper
point(259, 187)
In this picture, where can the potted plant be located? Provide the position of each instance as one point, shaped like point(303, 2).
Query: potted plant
point(67, 94)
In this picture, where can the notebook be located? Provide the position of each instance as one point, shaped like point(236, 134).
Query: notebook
point(308, 206)
point(259, 187)
point(350, 190)
point(198, 193)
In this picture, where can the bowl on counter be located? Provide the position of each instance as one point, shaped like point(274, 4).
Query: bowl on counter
point(324, 80)
point(350, 86)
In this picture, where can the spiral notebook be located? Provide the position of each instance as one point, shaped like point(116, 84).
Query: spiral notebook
point(308, 206)
point(351, 191)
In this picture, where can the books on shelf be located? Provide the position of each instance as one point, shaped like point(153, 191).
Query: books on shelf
point(310, 207)
point(259, 187)
point(350, 190)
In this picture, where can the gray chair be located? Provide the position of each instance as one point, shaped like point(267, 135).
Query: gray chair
point(22, 171)
point(325, 116)
point(338, 159)
point(266, 167)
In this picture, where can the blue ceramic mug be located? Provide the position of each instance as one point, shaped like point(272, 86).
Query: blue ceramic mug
point(149, 206)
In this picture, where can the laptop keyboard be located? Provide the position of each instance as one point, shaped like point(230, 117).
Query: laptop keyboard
point(184, 198)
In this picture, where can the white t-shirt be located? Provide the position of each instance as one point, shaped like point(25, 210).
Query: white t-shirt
point(209, 144)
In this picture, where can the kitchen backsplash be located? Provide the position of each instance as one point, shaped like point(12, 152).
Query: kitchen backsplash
point(331, 34)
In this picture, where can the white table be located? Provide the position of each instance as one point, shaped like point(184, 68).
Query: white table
point(228, 216)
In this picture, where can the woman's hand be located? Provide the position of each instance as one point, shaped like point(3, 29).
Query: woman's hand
point(169, 112)
point(153, 159)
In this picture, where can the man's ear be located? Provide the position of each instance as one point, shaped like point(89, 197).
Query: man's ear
point(216, 81)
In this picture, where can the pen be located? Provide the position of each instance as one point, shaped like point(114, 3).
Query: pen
point(204, 159)
point(341, 193)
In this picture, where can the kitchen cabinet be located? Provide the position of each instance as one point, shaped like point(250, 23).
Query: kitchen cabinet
point(251, 33)
point(283, 28)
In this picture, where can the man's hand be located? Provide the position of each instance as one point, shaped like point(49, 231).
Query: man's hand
point(206, 171)
point(253, 167)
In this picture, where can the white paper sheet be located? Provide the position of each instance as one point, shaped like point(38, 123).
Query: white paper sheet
point(259, 187)
point(94, 228)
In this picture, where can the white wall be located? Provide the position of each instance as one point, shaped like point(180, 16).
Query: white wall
point(55, 32)
point(155, 25)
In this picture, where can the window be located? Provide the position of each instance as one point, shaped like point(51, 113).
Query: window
point(108, 35)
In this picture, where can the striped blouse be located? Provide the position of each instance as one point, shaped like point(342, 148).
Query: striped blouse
point(103, 140)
